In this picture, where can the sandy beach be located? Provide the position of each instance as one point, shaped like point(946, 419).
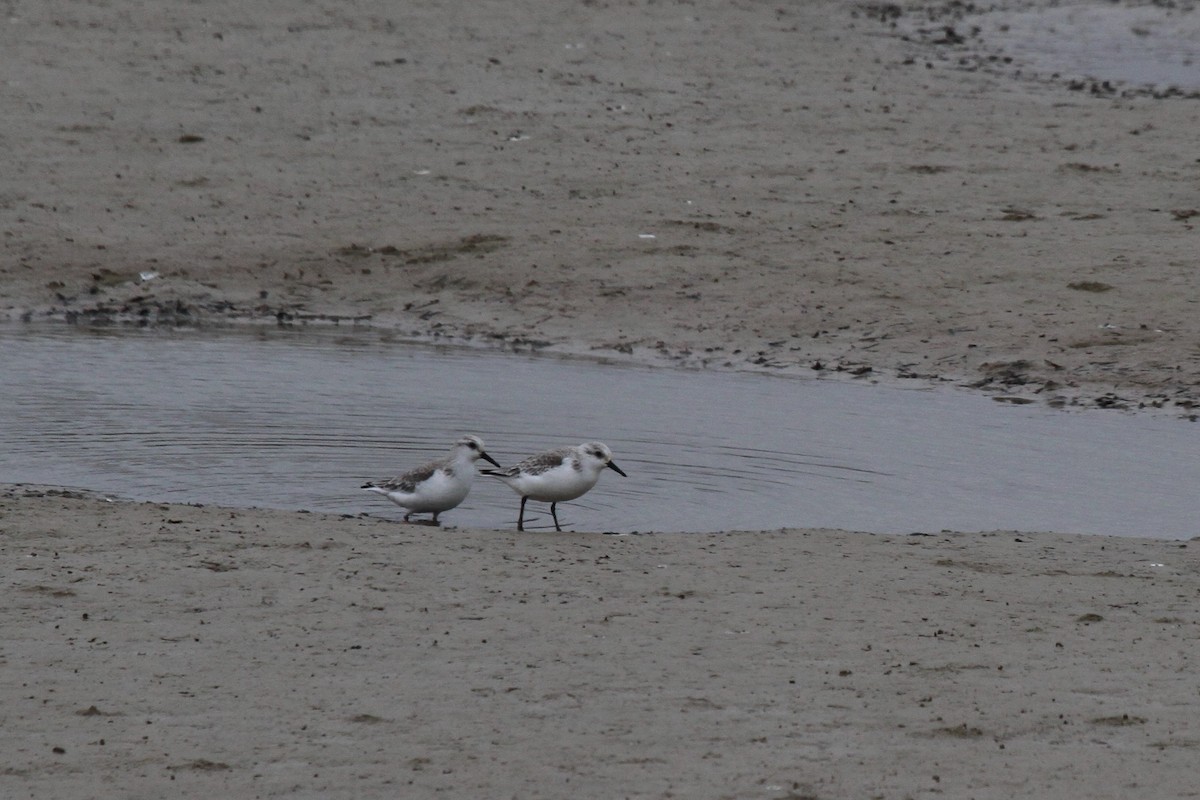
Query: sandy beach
point(775, 187)
point(154, 649)
point(873, 190)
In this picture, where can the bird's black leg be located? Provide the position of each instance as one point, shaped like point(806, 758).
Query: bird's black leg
point(406, 516)
point(521, 516)
point(435, 517)
point(554, 514)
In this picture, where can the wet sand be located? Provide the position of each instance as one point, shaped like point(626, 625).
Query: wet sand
point(159, 649)
point(771, 187)
point(750, 186)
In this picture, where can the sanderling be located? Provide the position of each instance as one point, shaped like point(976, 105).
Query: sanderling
point(437, 486)
point(556, 475)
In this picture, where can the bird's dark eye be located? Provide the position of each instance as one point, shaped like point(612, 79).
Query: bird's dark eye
point(472, 445)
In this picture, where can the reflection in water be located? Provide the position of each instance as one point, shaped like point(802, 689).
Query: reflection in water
point(301, 419)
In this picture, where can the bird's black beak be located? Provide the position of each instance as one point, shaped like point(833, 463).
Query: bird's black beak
point(616, 469)
point(489, 459)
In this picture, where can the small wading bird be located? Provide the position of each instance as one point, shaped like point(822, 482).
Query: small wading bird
point(556, 475)
point(437, 486)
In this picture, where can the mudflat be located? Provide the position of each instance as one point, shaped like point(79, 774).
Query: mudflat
point(156, 649)
point(789, 187)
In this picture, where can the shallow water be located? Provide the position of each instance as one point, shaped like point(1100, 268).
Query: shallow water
point(298, 420)
point(1151, 45)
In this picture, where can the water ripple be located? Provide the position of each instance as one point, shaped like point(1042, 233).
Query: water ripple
point(299, 421)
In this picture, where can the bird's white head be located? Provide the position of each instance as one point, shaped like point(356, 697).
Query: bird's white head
point(598, 454)
point(472, 447)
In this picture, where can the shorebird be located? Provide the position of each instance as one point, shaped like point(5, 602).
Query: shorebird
point(437, 486)
point(556, 475)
